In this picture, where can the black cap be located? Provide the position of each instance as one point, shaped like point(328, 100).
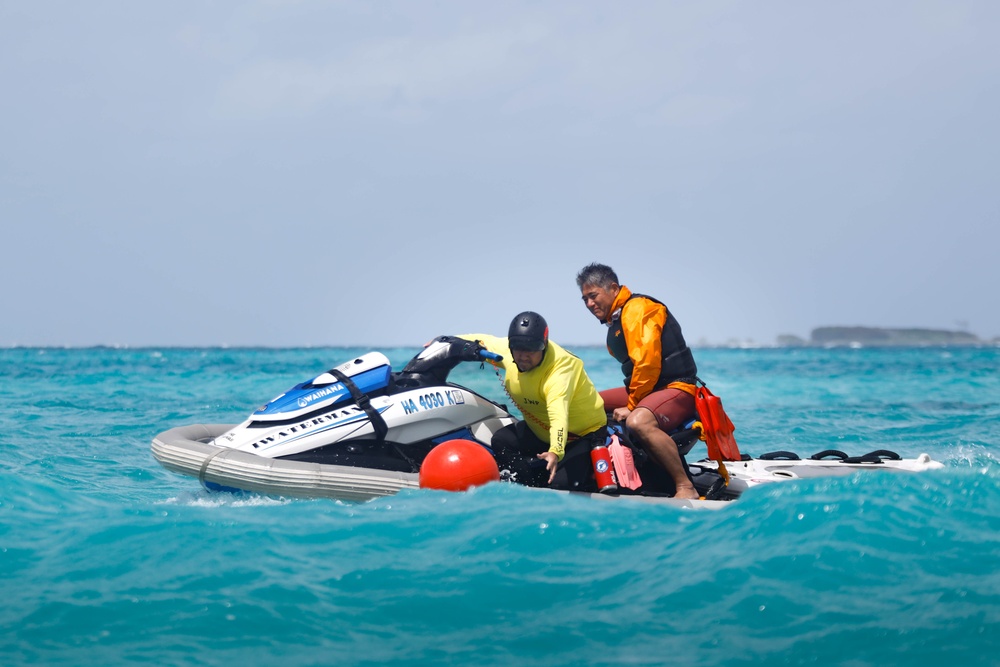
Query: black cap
point(528, 332)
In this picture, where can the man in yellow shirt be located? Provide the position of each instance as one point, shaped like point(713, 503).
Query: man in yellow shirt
point(560, 405)
point(659, 368)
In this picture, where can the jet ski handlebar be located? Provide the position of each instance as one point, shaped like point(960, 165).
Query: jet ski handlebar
point(444, 353)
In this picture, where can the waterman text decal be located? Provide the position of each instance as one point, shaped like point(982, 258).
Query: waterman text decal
point(309, 424)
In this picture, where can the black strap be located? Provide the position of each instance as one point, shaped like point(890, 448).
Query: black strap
point(361, 399)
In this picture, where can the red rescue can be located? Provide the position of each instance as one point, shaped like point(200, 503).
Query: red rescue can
point(604, 470)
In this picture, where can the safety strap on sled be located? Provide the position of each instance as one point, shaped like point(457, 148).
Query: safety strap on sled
point(361, 398)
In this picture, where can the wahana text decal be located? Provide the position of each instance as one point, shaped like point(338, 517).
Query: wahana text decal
point(322, 393)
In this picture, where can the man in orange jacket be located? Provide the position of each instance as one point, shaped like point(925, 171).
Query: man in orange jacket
point(659, 368)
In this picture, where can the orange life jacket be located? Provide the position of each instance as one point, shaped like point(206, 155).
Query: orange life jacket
point(716, 427)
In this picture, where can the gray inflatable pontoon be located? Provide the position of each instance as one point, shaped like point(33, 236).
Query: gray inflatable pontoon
point(186, 450)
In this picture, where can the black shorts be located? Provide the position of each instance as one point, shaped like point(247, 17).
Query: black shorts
point(516, 448)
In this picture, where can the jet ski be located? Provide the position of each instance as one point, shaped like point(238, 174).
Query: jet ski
point(361, 430)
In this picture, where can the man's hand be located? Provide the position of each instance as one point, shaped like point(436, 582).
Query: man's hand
point(551, 462)
point(621, 414)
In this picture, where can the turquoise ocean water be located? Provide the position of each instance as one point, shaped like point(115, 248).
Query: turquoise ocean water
point(107, 559)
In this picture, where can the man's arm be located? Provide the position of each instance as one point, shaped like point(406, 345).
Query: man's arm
point(642, 324)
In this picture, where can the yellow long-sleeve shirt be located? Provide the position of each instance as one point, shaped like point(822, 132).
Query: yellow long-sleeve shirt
point(557, 397)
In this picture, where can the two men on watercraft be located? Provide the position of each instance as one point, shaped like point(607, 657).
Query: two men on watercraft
point(560, 403)
point(555, 395)
point(658, 366)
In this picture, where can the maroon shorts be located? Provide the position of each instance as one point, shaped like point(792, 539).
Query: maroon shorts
point(671, 407)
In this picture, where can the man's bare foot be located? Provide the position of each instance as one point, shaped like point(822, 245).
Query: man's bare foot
point(687, 492)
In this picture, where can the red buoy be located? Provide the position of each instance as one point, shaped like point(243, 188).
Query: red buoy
point(456, 465)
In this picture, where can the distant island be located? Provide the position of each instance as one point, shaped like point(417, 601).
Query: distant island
point(881, 337)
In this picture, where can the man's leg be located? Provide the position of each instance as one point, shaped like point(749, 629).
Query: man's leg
point(616, 397)
point(576, 470)
point(663, 449)
point(514, 447)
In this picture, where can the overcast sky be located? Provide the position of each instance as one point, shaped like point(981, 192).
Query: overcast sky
point(376, 173)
